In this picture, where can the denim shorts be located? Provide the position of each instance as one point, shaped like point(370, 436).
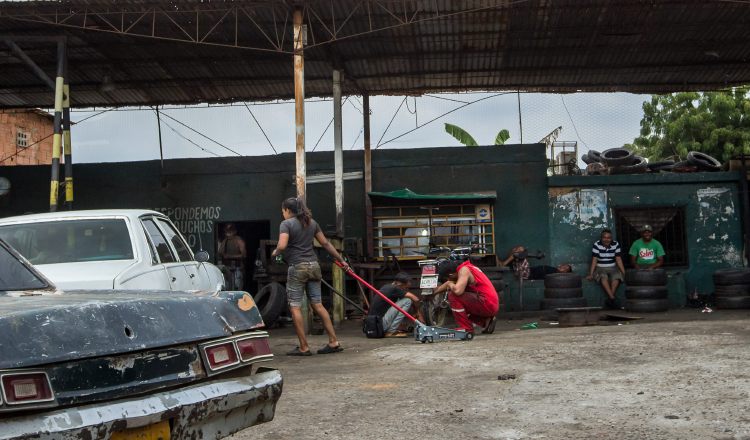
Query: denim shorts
point(301, 277)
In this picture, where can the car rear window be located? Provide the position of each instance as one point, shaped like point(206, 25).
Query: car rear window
point(70, 241)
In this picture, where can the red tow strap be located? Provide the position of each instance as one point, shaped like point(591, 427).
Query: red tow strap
point(369, 286)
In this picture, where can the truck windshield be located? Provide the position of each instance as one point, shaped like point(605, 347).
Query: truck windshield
point(70, 241)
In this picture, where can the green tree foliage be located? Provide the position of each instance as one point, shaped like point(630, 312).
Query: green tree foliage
point(715, 123)
point(465, 138)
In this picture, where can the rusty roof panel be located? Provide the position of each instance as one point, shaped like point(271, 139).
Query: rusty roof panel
point(191, 51)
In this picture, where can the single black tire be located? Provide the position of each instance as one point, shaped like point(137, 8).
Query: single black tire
point(562, 303)
point(646, 305)
point(684, 167)
point(703, 161)
point(563, 292)
point(732, 291)
point(594, 156)
point(731, 276)
point(658, 166)
point(737, 302)
point(615, 157)
point(434, 314)
point(585, 159)
point(469, 336)
point(499, 285)
point(646, 277)
point(638, 166)
point(270, 301)
point(562, 280)
point(646, 292)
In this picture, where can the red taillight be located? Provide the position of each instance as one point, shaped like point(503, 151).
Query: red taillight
point(222, 355)
point(254, 348)
point(26, 388)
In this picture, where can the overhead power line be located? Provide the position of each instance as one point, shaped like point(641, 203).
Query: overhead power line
point(202, 135)
point(261, 128)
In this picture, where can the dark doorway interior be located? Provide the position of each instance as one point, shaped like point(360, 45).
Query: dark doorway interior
point(252, 232)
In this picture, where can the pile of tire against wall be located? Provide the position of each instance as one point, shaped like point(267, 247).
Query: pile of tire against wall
point(563, 290)
point(646, 290)
point(732, 288)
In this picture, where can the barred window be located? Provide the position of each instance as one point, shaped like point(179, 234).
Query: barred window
point(668, 224)
point(22, 138)
point(410, 231)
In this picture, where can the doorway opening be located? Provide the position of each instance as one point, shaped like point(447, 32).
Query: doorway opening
point(251, 232)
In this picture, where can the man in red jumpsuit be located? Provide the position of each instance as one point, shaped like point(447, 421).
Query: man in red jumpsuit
point(472, 297)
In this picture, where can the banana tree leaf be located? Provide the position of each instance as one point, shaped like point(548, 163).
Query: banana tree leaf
point(502, 136)
point(460, 134)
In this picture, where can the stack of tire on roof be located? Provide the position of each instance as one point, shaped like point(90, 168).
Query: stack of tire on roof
point(562, 290)
point(732, 288)
point(623, 161)
point(646, 290)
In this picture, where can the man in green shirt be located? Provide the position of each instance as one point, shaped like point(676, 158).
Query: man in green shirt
point(646, 252)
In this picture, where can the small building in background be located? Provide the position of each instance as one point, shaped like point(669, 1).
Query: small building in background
point(25, 137)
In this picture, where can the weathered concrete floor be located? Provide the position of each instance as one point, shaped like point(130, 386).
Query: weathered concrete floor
point(652, 379)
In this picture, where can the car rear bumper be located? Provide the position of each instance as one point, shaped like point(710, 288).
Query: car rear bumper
point(208, 410)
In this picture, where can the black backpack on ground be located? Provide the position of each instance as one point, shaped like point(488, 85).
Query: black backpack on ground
point(372, 326)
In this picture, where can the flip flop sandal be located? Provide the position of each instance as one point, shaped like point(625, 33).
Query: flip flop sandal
point(297, 352)
point(328, 349)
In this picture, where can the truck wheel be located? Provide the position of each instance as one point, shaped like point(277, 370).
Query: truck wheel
point(646, 292)
point(563, 303)
point(732, 291)
point(617, 156)
point(645, 277)
point(646, 305)
point(270, 301)
point(736, 302)
point(563, 292)
point(731, 276)
point(562, 280)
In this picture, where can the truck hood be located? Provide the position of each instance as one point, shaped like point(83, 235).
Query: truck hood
point(43, 327)
point(84, 275)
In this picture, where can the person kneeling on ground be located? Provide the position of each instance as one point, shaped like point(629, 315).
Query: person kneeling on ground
point(606, 266)
point(472, 297)
point(398, 292)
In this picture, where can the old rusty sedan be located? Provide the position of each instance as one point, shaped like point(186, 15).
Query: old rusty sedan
point(128, 364)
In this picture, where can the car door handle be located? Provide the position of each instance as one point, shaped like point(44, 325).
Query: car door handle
point(192, 275)
point(174, 279)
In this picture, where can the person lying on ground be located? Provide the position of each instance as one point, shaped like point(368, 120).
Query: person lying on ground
point(398, 292)
point(518, 257)
point(606, 266)
point(471, 296)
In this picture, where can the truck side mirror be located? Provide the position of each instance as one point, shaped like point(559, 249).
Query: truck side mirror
point(202, 256)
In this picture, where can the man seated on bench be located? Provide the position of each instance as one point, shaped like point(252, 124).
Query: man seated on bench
point(398, 292)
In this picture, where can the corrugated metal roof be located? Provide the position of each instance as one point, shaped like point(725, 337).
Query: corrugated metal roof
point(188, 51)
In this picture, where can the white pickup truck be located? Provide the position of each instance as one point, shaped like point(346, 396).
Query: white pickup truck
point(110, 249)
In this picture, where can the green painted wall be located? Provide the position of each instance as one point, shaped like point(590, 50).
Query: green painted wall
point(198, 192)
point(581, 206)
point(531, 209)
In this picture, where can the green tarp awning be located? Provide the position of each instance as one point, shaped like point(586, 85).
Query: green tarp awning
point(407, 194)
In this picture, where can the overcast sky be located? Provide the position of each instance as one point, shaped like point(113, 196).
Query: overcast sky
point(596, 120)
